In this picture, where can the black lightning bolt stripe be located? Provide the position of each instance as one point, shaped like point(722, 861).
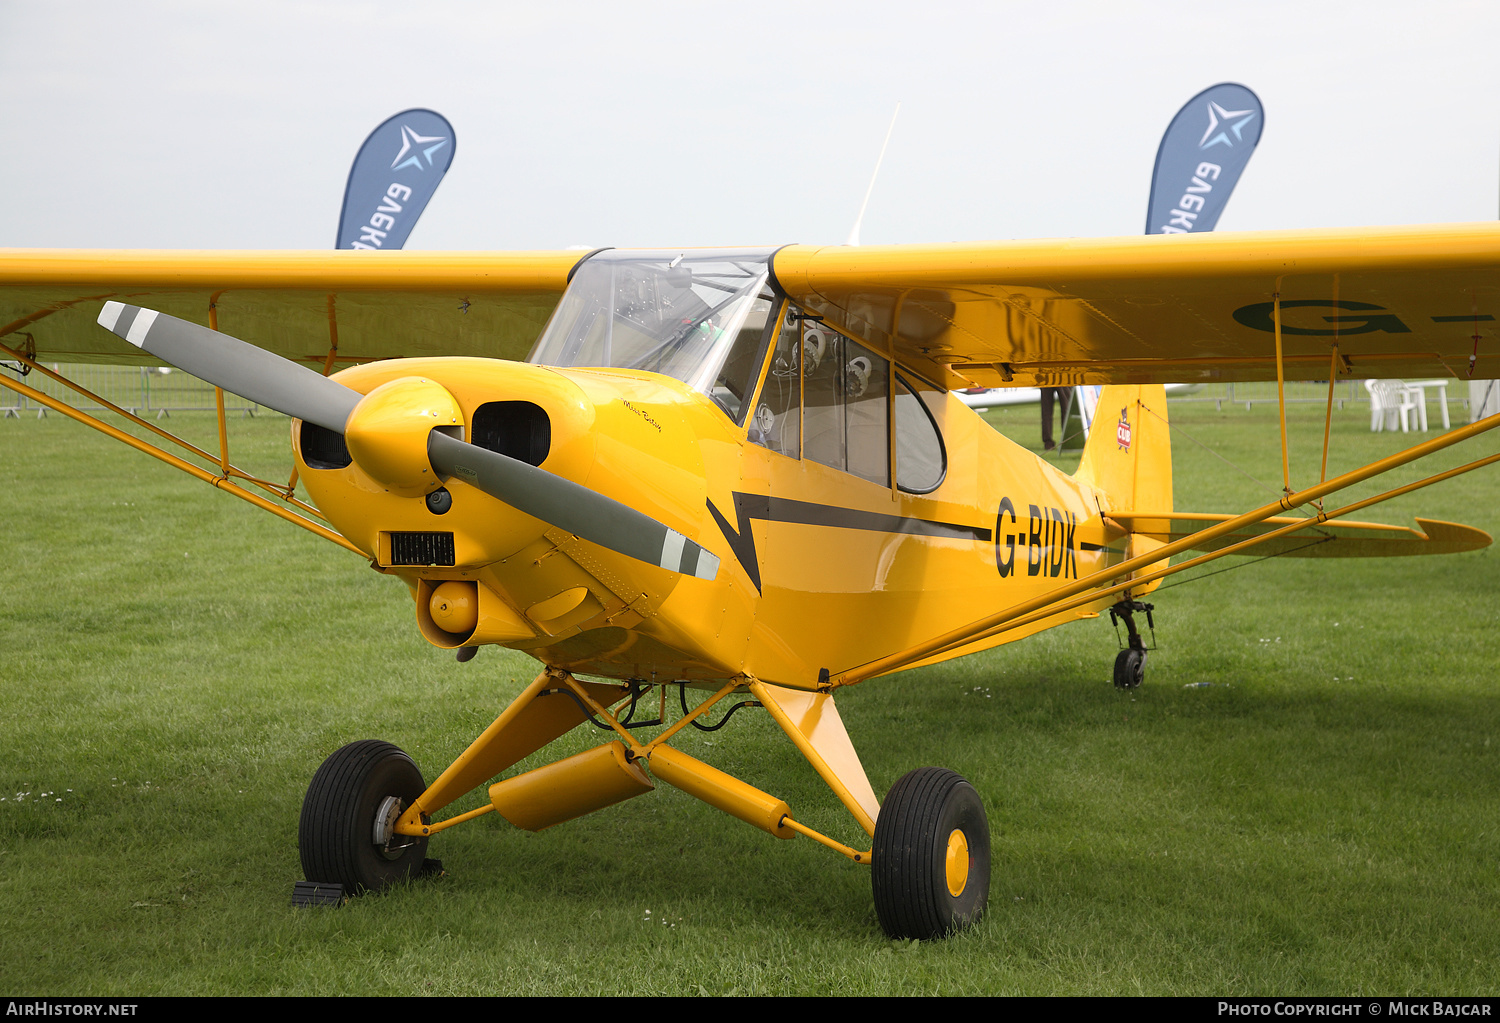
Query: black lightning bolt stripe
point(748, 507)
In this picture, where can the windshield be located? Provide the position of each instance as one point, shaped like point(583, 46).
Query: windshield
point(701, 317)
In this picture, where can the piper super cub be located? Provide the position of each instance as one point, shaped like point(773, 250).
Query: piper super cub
point(746, 472)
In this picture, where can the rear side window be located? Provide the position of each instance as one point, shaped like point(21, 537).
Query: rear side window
point(921, 461)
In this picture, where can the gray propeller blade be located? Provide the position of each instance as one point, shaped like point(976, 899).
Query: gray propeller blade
point(227, 362)
point(281, 384)
point(566, 505)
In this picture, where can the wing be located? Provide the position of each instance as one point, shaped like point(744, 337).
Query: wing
point(1398, 302)
point(296, 304)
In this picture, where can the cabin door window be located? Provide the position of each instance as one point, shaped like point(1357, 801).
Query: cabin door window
point(777, 423)
point(828, 398)
point(846, 389)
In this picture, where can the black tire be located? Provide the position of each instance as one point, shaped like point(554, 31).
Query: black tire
point(1130, 668)
point(909, 869)
point(336, 832)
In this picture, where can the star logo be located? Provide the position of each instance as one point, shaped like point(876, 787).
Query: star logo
point(1218, 115)
point(410, 141)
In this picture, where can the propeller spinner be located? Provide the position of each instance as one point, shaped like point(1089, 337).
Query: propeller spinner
point(396, 434)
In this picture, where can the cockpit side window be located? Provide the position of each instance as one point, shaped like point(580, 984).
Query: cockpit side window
point(847, 409)
point(867, 385)
point(823, 420)
point(846, 417)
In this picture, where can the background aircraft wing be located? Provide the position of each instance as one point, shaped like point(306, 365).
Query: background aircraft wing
point(1398, 301)
point(296, 304)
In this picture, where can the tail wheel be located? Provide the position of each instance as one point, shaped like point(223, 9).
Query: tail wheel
point(930, 868)
point(347, 831)
point(1130, 668)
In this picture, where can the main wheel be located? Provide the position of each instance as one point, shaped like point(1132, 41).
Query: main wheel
point(1130, 668)
point(346, 834)
point(931, 857)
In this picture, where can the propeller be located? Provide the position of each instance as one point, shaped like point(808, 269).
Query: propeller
point(297, 391)
point(228, 362)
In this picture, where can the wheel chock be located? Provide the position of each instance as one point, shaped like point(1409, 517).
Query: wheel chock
point(318, 893)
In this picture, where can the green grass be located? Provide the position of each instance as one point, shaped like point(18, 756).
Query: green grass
point(174, 665)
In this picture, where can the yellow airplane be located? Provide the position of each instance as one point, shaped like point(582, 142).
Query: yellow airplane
point(745, 473)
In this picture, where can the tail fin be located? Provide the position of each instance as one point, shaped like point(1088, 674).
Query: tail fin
point(1128, 455)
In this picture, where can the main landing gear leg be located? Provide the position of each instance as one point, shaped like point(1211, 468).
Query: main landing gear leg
point(1130, 665)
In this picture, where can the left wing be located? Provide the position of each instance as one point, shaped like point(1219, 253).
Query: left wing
point(371, 305)
point(1335, 538)
point(1411, 302)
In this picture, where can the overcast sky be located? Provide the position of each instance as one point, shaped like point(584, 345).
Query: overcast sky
point(232, 125)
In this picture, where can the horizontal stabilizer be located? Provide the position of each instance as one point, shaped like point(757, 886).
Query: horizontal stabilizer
point(1336, 538)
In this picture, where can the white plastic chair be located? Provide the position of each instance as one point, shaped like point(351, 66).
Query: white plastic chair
point(1390, 399)
point(1419, 395)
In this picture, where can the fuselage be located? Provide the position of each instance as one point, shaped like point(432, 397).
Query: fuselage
point(855, 509)
point(819, 568)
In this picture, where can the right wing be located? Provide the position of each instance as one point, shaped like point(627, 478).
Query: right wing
point(376, 305)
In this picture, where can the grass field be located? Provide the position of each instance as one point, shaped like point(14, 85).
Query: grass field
point(1320, 818)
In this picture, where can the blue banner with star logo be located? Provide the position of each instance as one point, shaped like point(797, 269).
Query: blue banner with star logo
point(393, 176)
point(1201, 158)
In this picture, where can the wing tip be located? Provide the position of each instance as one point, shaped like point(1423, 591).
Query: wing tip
point(1454, 536)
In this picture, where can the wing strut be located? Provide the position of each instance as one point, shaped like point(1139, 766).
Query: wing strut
point(1086, 589)
point(333, 351)
point(1286, 465)
point(1333, 369)
point(224, 482)
point(1238, 548)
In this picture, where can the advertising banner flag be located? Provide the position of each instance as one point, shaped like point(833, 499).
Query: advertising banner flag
point(1200, 160)
point(394, 175)
point(1202, 155)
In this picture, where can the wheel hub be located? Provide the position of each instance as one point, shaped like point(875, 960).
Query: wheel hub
point(386, 816)
point(957, 862)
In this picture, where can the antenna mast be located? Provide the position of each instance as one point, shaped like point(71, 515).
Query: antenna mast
point(854, 232)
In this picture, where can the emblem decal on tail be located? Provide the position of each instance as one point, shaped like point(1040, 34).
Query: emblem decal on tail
point(1122, 430)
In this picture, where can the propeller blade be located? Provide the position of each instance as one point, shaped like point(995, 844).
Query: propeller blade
point(294, 390)
point(227, 362)
point(570, 506)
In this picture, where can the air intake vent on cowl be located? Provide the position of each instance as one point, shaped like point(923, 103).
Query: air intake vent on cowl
point(519, 429)
point(422, 549)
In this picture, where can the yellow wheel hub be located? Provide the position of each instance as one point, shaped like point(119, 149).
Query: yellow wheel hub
point(958, 863)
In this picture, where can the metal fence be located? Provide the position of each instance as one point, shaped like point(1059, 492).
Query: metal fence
point(1263, 392)
point(160, 392)
point(144, 391)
